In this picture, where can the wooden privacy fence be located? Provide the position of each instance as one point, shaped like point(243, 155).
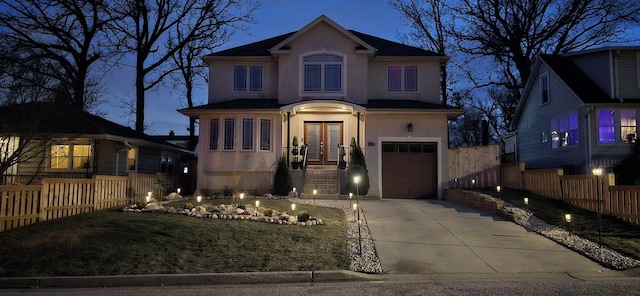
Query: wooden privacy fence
point(584, 191)
point(477, 166)
point(57, 198)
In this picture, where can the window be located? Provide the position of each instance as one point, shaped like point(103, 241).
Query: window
point(606, 126)
point(628, 122)
point(322, 73)
point(81, 156)
point(247, 134)
point(402, 78)
point(60, 156)
point(564, 131)
point(247, 77)
point(265, 134)
point(213, 134)
point(544, 137)
point(70, 156)
point(544, 89)
point(229, 133)
point(131, 159)
point(166, 163)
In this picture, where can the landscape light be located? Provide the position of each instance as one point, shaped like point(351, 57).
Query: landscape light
point(498, 188)
point(179, 189)
point(293, 207)
point(257, 203)
point(199, 198)
point(242, 195)
point(567, 218)
point(526, 200)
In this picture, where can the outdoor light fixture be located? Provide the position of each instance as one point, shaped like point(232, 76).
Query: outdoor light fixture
point(148, 198)
point(498, 188)
point(149, 193)
point(293, 207)
point(257, 203)
point(567, 218)
point(314, 195)
point(178, 190)
point(410, 127)
point(598, 173)
point(526, 200)
point(294, 189)
point(242, 195)
point(199, 198)
point(355, 207)
point(185, 170)
point(473, 183)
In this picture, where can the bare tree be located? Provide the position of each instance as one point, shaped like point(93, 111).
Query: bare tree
point(62, 39)
point(190, 68)
point(514, 32)
point(154, 30)
point(428, 21)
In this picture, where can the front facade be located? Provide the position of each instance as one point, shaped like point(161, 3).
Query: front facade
point(579, 110)
point(324, 85)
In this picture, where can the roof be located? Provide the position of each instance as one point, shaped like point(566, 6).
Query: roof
point(404, 104)
point(583, 86)
point(241, 104)
point(383, 47)
point(56, 118)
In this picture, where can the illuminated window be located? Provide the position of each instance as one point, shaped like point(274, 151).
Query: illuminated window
point(628, 125)
point(81, 156)
point(60, 156)
point(564, 131)
point(606, 126)
point(131, 159)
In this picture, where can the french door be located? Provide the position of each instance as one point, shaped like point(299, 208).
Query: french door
point(323, 140)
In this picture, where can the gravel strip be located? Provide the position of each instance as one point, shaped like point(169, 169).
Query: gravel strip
point(362, 250)
point(604, 256)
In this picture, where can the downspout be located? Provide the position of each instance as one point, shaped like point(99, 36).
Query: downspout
point(358, 133)
point(288, 134)
point(589, 155)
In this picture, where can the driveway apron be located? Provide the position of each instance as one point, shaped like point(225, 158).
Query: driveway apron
point(435, 236)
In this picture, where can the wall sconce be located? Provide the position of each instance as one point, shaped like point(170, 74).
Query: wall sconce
point(410, 127)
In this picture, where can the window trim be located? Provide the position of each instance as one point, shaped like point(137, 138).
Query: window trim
point(70, 157)
point(248, 79)
point(322, 93)
point(545, 76)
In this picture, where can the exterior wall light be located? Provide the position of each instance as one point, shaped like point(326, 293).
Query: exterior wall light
point(410, 127)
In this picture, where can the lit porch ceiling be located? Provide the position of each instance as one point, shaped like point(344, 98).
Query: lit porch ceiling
point(323, 106)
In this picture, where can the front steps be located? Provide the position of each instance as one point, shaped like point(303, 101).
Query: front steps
point(324, 179)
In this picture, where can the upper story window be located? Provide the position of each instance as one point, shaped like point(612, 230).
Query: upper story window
point(247, 78)
point(401, 78)
point(628, 126)
point(70, 156)
point(322, 73)
point(544, 88)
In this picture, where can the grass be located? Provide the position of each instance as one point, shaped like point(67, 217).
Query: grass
point(616, 234)
point(115, 243)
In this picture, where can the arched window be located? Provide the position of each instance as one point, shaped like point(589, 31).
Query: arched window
point(322, 73)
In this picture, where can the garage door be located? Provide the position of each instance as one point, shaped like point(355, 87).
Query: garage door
point(409, 170)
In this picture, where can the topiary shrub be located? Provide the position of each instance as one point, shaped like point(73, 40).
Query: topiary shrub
point(282, 182)
point(303, 216)
point(358, 167)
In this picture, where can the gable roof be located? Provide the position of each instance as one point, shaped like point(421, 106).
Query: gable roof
point(583, 86)
point(367, 43)
point(64, 119)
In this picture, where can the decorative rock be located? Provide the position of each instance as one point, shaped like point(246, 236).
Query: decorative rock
point(173, 195)
point(152, 207)
point(267, 195)
point(200, 210)
point(239, 211)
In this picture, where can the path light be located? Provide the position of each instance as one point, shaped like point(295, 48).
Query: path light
point(199, 198)
point(526, 200)
point(473, 183)
point(598, 173)
point(293, 207)
point(498, 188)
point(241, 196)
point(567, 218)
point(148, 199)
point(179, 189)
point(314, 195)
point(257, 204)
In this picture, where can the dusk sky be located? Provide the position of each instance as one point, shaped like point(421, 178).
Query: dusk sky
point(274, 17)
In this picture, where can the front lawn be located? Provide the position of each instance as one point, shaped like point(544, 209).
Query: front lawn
point(116, 243)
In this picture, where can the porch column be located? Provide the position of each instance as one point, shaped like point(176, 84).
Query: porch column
point(358, 132)
point(288, 134)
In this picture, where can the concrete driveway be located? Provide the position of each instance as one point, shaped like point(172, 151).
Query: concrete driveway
point(439, 237)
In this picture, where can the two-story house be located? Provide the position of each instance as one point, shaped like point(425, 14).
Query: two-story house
point(579, 110)
point(324, 85)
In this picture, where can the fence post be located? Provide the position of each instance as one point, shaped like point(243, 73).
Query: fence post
point(42, 213)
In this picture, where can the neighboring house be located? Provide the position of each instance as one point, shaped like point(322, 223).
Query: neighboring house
point(579, 110)
point(325, 85)
point(77, 144)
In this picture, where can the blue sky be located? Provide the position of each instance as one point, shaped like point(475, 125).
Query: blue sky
point(274, 17)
